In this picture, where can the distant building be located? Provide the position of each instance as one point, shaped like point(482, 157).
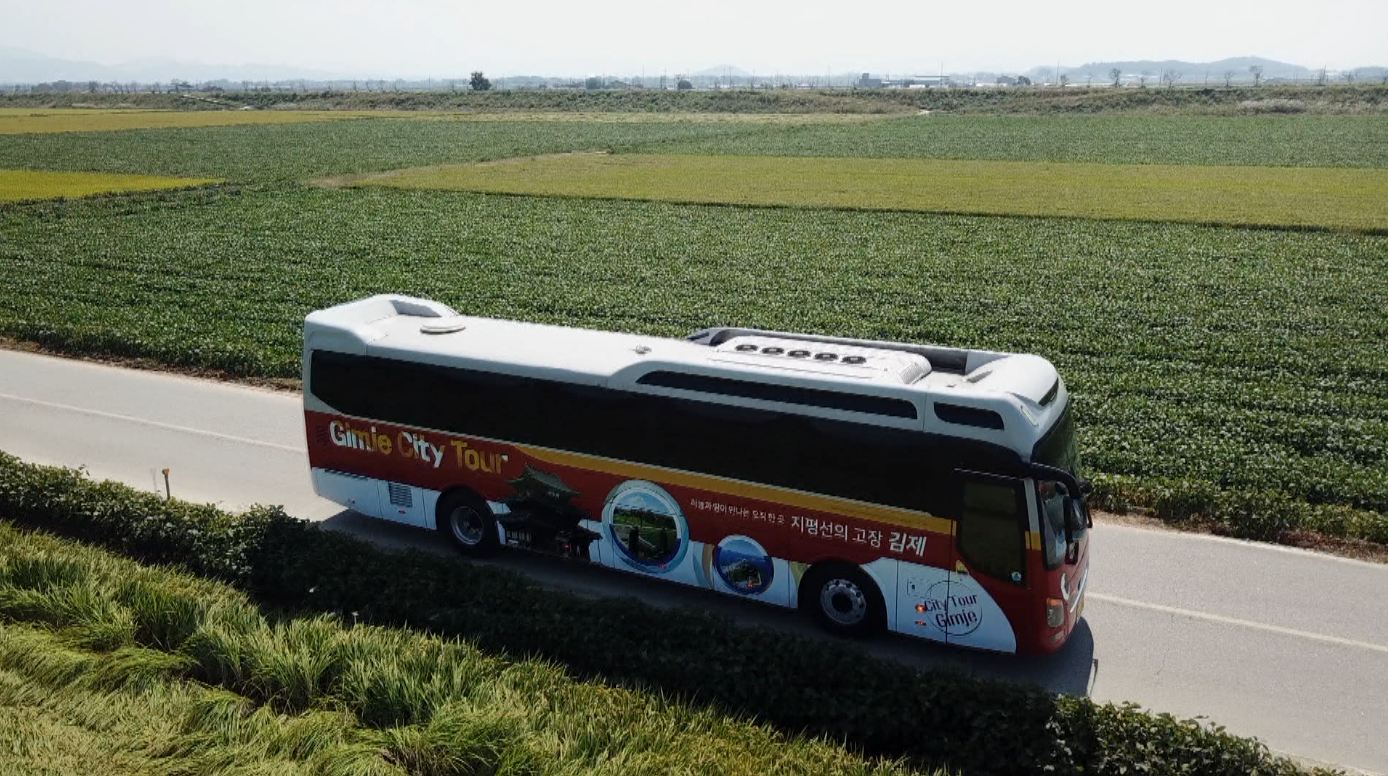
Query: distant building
point(868, 82)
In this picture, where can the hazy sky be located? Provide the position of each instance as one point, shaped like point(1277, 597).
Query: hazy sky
point(436, 38)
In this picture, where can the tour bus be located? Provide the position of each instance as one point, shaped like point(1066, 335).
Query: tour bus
point(924, 490)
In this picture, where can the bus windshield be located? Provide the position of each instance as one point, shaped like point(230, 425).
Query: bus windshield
point(1058, 447)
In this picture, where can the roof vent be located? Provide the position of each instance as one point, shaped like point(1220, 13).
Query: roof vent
point(446, 325)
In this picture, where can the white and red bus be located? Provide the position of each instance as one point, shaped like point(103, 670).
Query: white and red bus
point(925, 490)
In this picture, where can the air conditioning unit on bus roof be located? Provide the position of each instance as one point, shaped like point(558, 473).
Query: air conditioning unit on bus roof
point(824, 358)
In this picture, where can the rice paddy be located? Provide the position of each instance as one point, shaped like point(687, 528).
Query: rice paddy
point(1336, 198)
point(22, 185)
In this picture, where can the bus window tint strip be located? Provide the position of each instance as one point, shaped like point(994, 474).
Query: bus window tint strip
point(874, 464)
point(968, 416)
point(810, 397)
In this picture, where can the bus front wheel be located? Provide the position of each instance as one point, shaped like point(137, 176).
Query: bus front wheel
point(467, 520)
point(843, 599)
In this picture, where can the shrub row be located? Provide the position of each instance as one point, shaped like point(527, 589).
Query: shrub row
point(1360, 98)
point(1266, 515)
point(931, 718)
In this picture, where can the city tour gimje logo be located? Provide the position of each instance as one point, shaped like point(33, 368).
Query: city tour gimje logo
point(412, 445)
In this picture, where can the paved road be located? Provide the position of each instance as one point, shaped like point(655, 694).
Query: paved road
point(1282, 644)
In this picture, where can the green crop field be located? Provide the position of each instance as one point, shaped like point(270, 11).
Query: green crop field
point(1262, 196)
point(16, 121)
point(1233, 374)
point(20, 185)
point(1292, 141)
point(297, 151)
point(1249, 360)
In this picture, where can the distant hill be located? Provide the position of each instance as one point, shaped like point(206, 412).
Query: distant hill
point(21, 66)
point(721, 71)
point(1191, 72)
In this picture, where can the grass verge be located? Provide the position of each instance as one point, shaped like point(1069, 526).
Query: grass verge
point(1331, 198)
point(683, 675)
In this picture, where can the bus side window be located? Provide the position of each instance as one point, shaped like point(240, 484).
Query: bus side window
point(992, 526)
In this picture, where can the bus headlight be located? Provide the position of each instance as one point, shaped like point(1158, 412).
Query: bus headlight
point(1055, 612)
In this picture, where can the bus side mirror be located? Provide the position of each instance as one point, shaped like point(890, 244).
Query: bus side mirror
point(1074, 517)
point(1074, 523)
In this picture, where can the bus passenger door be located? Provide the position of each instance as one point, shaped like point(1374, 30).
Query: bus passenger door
point(988, 577)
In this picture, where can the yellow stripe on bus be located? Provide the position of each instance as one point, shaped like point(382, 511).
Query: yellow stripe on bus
point(905, 518)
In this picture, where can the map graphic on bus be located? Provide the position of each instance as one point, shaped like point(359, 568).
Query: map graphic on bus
point(743, 565)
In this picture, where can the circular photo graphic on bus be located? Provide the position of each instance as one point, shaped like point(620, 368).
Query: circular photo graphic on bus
point(743, 565)
point(647, 526)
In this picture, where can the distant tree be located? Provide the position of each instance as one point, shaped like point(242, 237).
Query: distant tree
point(1348, 75)
point(684, 85)
point(1171, 77)
point(1257, 72)
point(1229, 78)
point(1023, 81)
point(1064, 79)
point(1115, 75)
point(593, 82)
point(479, 82)
point(1321, 77)
point(1142, 80)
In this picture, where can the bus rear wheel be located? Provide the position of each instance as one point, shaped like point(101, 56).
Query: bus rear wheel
point(843, 599)
point(467, 520)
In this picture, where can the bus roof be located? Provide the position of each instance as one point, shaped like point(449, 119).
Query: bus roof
point(1002, 398)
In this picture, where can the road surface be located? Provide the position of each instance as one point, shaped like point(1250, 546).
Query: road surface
point(1286, 645)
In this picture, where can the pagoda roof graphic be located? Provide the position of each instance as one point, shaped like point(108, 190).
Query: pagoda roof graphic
point(534, 479)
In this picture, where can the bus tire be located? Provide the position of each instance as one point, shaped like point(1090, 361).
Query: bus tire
point(465, 518)
point(843, 599)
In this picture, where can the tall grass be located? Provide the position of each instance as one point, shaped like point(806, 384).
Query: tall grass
point(317, 693)
point(65, 710)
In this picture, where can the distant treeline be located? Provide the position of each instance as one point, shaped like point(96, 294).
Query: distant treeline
point(1329, 99)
